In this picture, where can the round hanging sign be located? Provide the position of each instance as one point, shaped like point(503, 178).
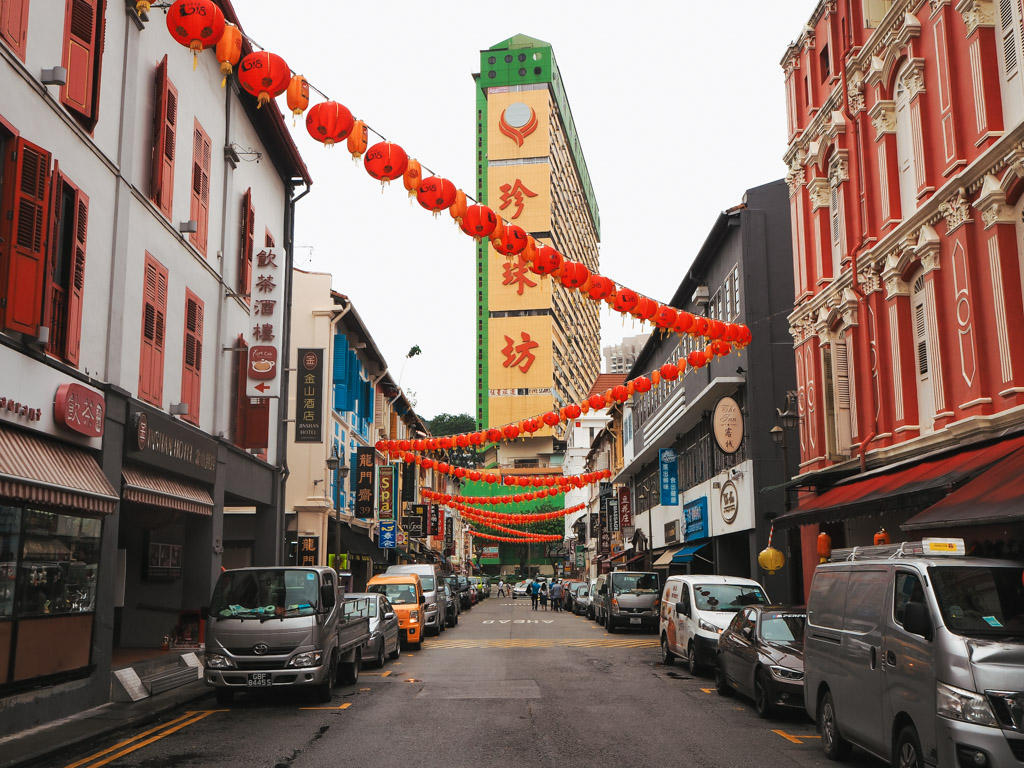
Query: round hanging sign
point(727, 423)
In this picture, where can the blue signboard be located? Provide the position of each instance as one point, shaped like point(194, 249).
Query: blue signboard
point(669, 477)
point(387, 536)
point(695, 519)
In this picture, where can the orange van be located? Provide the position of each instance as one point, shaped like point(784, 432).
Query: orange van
point(405, 593)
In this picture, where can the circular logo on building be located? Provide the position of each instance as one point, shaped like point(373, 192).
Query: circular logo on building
point(518, 121)
point(728, 425)
point(309, 360)
point(730, 499)
point(260, 649)
point(141, 430)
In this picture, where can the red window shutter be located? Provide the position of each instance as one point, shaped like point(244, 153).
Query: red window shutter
point(200, 209)
point(154, 313)
point(165, 119)
point(247, 234)
point(26, 263)
point(76, 280)
point(14, 25)
point(192, 367)
point(268, 240)
point(81, 24)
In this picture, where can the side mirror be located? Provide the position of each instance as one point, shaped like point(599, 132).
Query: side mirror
point(603, 591)
point(682, 608)
point(917, 621)
point(747, 632)
point(389, 616)
point(327, 596)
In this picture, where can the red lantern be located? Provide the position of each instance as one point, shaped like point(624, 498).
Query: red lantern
point(329, 122)
point(882, 537)
point(490, 477)
point(427, 463)
point(229, 50)
point(600, 287)
point(665, 316)
point(476, 438)
point(625, 300)
point(574, 274)
point(357, 139)
point(435, 194)
point(696, 359)
point(385, 161)
point(459, 207)
point(531, 425)
point(743, 337)
point(824, 546)
point(408, 457)
point(298, 96)
point(498, 232)
point(620, 393)
point(642, 384)
point(461, 441)
point(683, 322)
point(596, 402)
point(720, 348)
point(265, 75)
point(412, 177)
point(493, 435)
point(573, 411)
point(197, 24)
point(513, 241)
point(669, 372)
point(700, 326)
point(551, 418)
point(479, 221)
point(546, 261)
point(715, 329)
point(511, 432)
point(731, 332)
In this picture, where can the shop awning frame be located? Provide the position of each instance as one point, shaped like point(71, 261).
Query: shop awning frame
point(143, 486)
point(356, 543)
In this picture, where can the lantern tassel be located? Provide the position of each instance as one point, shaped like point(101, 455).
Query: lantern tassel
point(262, 99)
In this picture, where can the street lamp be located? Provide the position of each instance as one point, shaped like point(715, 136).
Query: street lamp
point(785, 420)
point(335, 465)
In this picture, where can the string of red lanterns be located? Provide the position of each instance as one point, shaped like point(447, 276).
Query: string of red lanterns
point(515, 518)
point(504, 529)
point(565, 482)
point(199, 24)
point(518, 498)
point(514, 540)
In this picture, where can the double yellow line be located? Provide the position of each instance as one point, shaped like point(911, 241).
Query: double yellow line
point(143, 739)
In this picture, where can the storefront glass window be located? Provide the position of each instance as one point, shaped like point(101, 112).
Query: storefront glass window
point(10, 528)
point(59, 558)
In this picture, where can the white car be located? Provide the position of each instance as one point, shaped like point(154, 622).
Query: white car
point(522, 589)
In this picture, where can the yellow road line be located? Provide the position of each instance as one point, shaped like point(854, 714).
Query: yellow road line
point(346, 705)
point(190, 718)
point(129, 741)
point(795, 738)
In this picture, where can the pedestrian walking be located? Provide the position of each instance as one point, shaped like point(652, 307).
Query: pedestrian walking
point(544, 596)
point(556, 596)
point(534, 594)
point(501, 588)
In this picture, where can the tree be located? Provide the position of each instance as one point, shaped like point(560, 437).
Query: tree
point(449, 424)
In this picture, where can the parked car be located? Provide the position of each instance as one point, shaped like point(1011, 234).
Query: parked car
point(460, 584)
point(569, 587)
point(591, 590)
point(581, 600)
point(404, 592)
point(522, 589)
point(915, 653)
point(761, 655)
point(629, 599)
point(695, 610)
point(451, 605)
point(430, 578)
point(384, 639)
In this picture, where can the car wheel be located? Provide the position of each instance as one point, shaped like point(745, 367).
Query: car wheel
point(691, 659)
point(416, 646)
point(667, 657)
point(224, 696)
point(610, 623)
point(323, 691)
point(721, 682)
point(762, 696)
point(442, 624)
point(381, 657)
point(835, 746)
point(349, 670)
point(908, 749)
point(398, 648)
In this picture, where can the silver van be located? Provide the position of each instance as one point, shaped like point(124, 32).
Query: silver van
point(430, 580)
point(628, 599)
point(915, 653)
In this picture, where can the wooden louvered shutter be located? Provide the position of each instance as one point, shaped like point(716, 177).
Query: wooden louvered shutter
point(200, 209)
point(154, 313)
point(80, 49)
point(165, 119)
point(26, 264)
point(76, 279)
point(14, 25)
point(252, 414)
point(246, 238)
point(192, 369)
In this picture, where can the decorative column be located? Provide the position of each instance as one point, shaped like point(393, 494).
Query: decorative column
point(899, 351)
point(980, 19)
point(883, 119)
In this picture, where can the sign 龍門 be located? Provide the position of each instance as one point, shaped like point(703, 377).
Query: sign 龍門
point(364, 482)
point(307, 550)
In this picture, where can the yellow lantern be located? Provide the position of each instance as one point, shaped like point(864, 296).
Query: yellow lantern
point(229, 51)
point(771, 559)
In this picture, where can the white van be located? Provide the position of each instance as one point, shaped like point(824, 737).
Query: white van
point(695, 609)
point(915, 653)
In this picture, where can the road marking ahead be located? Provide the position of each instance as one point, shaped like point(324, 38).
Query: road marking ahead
point(111, 753)
point(380, 674)
point(346, 705)
point(795, 738)
point(623, 642)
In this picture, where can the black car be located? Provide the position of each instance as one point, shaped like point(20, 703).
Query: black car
point(462, 588)
point(451, 606)
point(761, 655)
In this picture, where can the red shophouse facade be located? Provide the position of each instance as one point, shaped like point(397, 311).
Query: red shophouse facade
point(906, 172)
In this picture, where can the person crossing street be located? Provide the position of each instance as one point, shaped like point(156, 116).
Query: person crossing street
point(556, 595)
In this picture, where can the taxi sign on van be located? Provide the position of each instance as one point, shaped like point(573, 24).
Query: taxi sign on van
point(944, 547)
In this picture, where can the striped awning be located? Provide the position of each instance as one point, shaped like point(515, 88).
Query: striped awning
point(144, 486)
point(35, 470)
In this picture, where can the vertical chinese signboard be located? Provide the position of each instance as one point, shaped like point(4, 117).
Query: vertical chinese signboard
point(309, 400)
point(386, 492)
point(266, 318)
point(409, 482)
point(669, 474)
point(613, 515)
point(433, 522)
point(308, 550)
point(625, 507)
point(387, 538)
point(364, 482)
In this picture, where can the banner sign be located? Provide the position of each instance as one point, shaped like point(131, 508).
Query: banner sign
point(307, 550)
point(364, 482)
point(449, 534)
point(266, 320)
point(409, 482)
point(416, 525)
point(606, 542)
point(581, 553)
point(695, 518)
point(594, 523)
point(490, 555)
point(309, 402)
point(388, 536)
point(625, 507)
point(434, 521)
point(386, 492)
point(669, 473)
point(613, 514)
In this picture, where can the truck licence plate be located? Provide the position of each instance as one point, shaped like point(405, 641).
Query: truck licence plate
point(634, 619)
point(258, 679)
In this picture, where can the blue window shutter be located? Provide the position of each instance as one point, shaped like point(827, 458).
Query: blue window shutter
point(352, 382)
point(340, 369)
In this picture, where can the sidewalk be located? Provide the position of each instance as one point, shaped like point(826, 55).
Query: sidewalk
point(47, 741)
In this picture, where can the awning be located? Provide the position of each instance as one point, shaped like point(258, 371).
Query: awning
point(680, 556)
point(35, 470)
point(884, 488)
point(633, 559)
point(355, 543)
point(994, 496)
point(144, 486)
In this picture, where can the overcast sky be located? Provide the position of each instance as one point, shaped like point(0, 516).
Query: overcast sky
point(679, 107)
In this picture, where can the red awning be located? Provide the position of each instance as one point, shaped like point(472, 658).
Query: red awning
point(994, 496)
point(863, 491)
point(143, 486)
point(633, 559)
point(35, 470)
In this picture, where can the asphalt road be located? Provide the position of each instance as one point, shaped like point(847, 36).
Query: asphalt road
point(508, 687)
